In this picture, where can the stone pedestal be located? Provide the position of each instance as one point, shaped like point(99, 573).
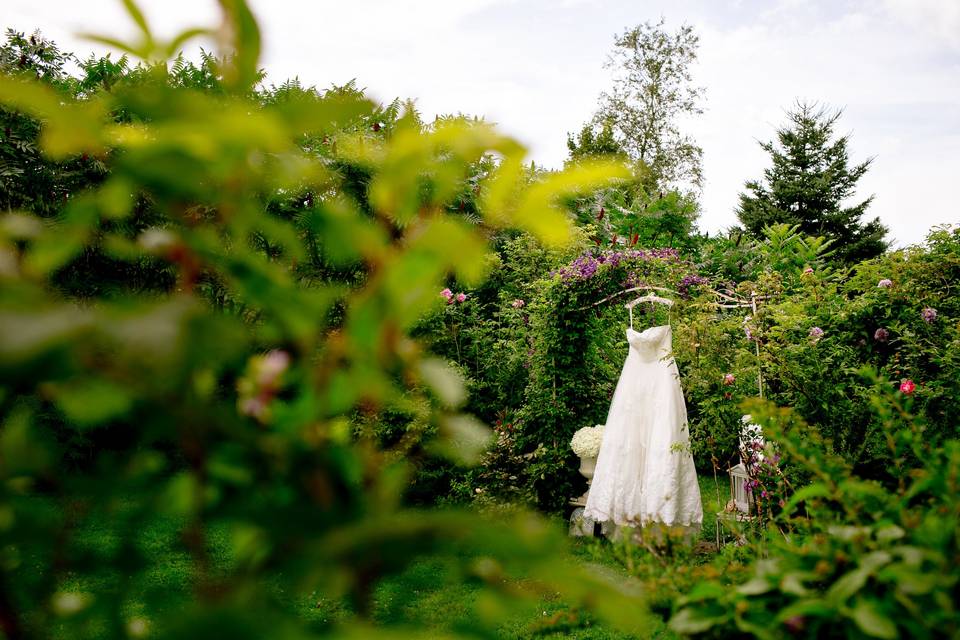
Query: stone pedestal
point(581, 526)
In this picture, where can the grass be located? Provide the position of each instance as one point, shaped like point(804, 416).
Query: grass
point(428, 597)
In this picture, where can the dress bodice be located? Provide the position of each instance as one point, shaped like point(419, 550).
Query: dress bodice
point(650, 344)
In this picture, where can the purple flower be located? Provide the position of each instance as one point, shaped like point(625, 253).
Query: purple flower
point(929, 314)
point(586, 266)
point(881, 335)
point(815, 334)
point(690, 281)
point(808, 271)
point(518, 303)
point(886, 283)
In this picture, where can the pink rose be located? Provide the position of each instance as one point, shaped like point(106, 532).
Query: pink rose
point(461, 297)
point(253, 407)
point(518, 303)
point(908, 387)
point(446, 293)
point(270, 367)
point(729, 379)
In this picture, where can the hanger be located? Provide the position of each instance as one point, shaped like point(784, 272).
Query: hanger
point(647, 298)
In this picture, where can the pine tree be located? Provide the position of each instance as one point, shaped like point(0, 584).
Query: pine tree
point(808, 184)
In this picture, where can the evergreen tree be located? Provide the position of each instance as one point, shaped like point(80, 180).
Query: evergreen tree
point(807, 185)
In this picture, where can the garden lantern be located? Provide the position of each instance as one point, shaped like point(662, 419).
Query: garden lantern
point(741, 498)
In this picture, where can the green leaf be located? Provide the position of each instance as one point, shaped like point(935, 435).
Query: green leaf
point(113, 43)
point(134, 12)
point(815, 490)
point(872, 621)
point(792, 583)
point(24, 336)
point(890, 533)
point(92, 402)
point(53, 250)
point(23, 449)
point(538, 210)
point(116, 198)
point(704, 591)
point(808, 608)
point(847, 585)
point(242, 72)
point(444, 380)
point(345, 236)
point(181, 496)
point(174, 46)
point(691, 621)
point(755, 587)
point(464, 438)
point(851, 582)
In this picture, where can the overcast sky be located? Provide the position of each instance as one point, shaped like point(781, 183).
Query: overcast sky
point(535, 67)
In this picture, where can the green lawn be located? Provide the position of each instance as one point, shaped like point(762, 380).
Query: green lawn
point(427, 597)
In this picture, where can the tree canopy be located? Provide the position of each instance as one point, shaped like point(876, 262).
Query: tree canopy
point(652, 91)
point(809, 183)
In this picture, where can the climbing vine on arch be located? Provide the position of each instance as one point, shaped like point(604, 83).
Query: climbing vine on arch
point(577, 352)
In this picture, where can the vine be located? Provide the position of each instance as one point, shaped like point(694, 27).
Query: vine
point(572, 372)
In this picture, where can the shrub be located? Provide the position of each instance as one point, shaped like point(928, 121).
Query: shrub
point(253, 408)
point(848, 557)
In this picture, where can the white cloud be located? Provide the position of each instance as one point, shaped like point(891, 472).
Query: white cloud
point(535, 67)
point(937, 18)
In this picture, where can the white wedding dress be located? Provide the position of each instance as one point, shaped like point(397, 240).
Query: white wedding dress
point(645, 471)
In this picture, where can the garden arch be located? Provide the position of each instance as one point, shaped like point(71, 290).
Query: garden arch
point(570, 379)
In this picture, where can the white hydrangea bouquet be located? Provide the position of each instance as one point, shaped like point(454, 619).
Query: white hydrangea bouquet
point(586, 441)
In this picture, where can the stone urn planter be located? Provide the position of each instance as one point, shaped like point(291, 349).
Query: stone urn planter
point(587, 467)
point(586, 445)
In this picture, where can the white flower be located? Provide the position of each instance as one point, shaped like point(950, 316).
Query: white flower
point(751, 440)
point(586, 442)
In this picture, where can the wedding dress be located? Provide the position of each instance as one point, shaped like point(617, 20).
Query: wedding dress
point(645, 471)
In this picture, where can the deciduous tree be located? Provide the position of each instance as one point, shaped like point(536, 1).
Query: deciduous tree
point(652, 92)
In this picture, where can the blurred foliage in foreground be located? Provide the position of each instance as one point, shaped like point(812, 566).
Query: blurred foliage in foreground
point(205, 335)
point(846, 557)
